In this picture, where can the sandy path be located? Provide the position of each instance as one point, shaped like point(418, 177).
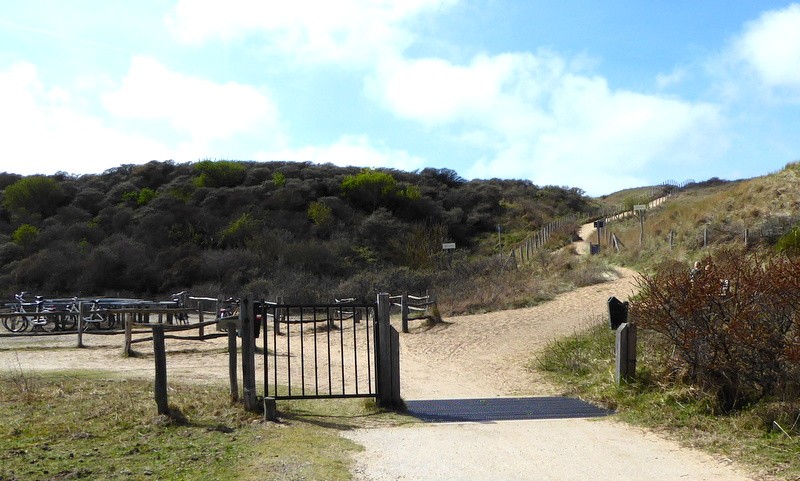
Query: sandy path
point(484, 356)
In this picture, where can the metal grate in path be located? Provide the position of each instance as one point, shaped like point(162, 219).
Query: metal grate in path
point(502, 409)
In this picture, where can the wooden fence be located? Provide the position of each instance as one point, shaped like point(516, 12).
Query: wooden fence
point(416, 308)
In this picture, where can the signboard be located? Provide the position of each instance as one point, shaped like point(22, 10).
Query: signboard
point(599, 224)
point(639, 207)
point(449, 245)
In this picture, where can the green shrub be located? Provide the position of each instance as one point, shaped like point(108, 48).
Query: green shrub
point(219, 173)
point(789, 243)
point(319, 213)
point(279, 179)
point(24, 235)
point(369, 188)
point(239, 231)
point(35, 194)
point(140, 197)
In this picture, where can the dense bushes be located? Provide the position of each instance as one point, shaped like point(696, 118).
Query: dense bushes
point(276, 227)
point(734, 323)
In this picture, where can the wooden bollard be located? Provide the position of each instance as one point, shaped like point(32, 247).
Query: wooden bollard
point(160, 357)
point(126, 349)
point(625, 353)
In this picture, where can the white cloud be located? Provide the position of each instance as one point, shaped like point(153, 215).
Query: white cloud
point(770, 45)
point(354, 151)
point(308, 31)
point(671, 79)
point(541, 119)
point(204, 110)
point(43, 130)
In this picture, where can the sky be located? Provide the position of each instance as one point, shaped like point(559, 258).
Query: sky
point(600, 96)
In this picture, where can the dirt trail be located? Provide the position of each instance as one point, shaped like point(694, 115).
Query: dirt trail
point(484, 356)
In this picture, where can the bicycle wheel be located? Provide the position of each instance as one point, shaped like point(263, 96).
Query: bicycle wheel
point(15, 323)
point(43, 323)
point(109, 321)
point(69, 322)
point(92, 321)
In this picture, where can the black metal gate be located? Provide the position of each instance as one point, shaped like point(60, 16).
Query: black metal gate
point(314, 351)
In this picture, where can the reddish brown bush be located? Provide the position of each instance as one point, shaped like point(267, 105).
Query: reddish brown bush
point(734, 324)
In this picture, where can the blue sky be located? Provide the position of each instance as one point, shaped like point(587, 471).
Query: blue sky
point(596, 95)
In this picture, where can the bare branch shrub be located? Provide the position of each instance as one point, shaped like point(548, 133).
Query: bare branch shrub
point(734, 323)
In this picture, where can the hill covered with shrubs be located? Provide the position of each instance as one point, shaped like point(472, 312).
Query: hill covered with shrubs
point(277, 228)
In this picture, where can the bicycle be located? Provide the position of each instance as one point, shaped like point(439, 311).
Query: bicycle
point(97, 319)
point(36, 320)
point(179, 298)
point(230, 307)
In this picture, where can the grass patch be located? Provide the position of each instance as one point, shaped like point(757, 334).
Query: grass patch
point(764, 437)
point(72, 425)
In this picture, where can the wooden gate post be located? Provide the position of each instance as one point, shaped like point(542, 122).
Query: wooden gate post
point(247, 318)
point(160, 356)
point(387, 357)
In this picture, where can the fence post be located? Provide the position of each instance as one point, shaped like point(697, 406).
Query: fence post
point(201, 319)
point(232, 362)
point(81, 314)
point(705, 237)
point(388, 356)
point(247, 318)
point(126, 349)
point(404, 311)
point(160, 356)
point(625, 353)
point(671, 238)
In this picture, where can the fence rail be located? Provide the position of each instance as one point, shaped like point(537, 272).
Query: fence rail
point(424, 307)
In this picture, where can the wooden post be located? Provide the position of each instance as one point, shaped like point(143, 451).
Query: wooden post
point(625, 353)
point(126, 349)
point(200, 319)
point(387, 356)
point(746, 237)
point(247, 318)
point(160, 356)
point(671, 238)
point(81, 314)
point(705, 237)
point(232, 362)
point(641, 227)
point(404, 311)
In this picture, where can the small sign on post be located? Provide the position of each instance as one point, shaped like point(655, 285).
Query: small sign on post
point(448, 246)
point(639, 207)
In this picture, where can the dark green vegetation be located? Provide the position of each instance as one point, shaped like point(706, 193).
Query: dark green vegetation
point(66, 425)
point(280, 228)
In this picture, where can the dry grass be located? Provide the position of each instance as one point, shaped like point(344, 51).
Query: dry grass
point(764, 206)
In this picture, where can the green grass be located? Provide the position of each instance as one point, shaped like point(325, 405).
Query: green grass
point(73, 425)
point(583, 364)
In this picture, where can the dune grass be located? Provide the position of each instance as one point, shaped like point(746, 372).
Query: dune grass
point(77, 425)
